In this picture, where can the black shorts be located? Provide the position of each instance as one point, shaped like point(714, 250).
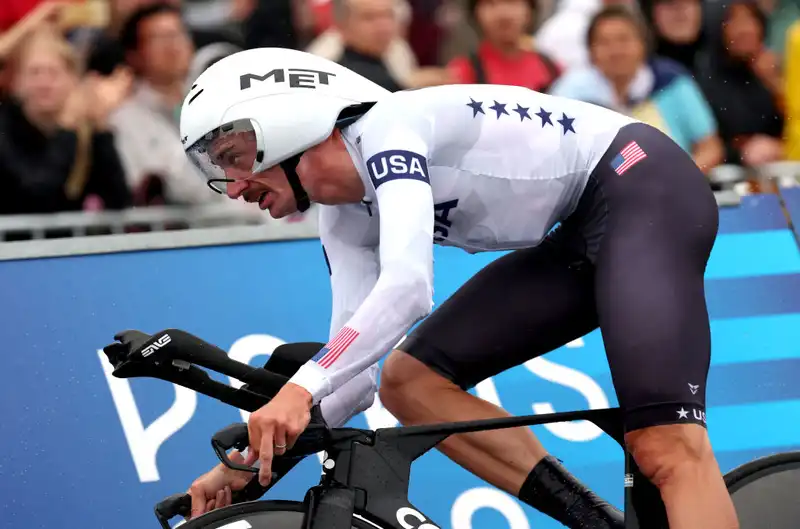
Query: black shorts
point(630, 259)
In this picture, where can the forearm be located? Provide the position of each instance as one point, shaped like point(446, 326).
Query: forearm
point(708, 153)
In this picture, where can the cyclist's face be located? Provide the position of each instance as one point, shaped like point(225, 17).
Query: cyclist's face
point(270, 189)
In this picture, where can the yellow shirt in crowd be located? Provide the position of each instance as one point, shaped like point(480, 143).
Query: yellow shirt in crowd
point(792, 69)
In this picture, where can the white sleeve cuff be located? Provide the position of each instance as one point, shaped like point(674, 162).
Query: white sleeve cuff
point(311, 376)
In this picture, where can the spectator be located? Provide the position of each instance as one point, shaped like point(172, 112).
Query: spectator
point(792, 62)
point(56, 153)
point(741, 80)
point(44, 14)
point(659, 92)
point(106, 51)
point(677, 25)
point(399, 58)
point(158, 48)
point(563, 36)
point(502, 57)
point(368, 28)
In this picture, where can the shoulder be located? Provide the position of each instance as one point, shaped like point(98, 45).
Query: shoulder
point(667, 71)
point(405, 110)
point(461, 68)
point(581, 83)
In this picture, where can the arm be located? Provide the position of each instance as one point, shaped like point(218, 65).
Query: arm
point(461, 71)
point(108, 177)
point(708, 150)
point(402, 294)
point(348, 243)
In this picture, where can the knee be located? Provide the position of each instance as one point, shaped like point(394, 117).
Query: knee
point(396, 376)
point(403, 377)
point(665, 452)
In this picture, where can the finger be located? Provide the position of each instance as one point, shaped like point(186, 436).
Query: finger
point(198, 501)
point(228, 495)
point(236, 457)
point(210, 505)
point(280, 441)
point(265, 457)
point(252, 457)
point(254, 434)
point(220, 499)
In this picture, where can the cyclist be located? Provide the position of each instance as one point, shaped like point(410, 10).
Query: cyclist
point(483, 168)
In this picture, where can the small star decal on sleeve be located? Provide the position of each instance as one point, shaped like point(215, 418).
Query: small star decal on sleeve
point(566, 122)
point(476, 106)
point(545, 117)
point(523, 112)
point(500, 108)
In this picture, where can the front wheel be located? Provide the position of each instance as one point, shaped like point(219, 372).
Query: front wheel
point(273, 514)
point(764, 492)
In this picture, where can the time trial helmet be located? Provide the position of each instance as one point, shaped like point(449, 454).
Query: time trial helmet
point(263, 107)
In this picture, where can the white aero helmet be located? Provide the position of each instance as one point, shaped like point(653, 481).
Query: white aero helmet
point(262, 107)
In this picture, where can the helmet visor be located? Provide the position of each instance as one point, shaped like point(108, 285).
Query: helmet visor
point(229, 154)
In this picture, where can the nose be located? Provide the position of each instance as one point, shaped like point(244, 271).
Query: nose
point(236, 188)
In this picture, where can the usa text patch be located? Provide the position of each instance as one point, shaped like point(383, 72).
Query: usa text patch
point(397, 165)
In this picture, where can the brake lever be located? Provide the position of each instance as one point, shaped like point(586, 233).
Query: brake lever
point(172, 506)
point(232, 436)
point(181, 504)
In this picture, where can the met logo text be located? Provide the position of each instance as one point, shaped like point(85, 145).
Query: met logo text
point(297, 77)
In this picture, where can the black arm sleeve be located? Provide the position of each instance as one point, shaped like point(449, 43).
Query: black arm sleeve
point(108, 176)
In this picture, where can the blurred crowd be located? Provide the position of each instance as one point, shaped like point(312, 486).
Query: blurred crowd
point(90, 90)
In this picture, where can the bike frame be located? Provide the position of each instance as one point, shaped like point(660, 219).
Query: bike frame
point(366, 471)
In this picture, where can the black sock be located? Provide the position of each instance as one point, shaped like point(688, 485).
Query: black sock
point(552, 490)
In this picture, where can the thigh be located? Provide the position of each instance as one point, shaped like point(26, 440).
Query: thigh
point(662, 223)
point(520, 306)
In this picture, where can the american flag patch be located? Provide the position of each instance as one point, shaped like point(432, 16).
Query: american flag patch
point(629, 156)
point(334, 348)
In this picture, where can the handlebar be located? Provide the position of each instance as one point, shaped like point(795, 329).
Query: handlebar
point(174, 356)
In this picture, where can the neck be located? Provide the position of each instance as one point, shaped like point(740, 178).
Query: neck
point(44, 121)
point(349, 189)
point(507, 48)
point(171, 91)
point(620, 86)
point(361, 51)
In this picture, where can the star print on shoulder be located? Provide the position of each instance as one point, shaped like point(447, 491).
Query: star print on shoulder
point(545, 117)
point(476, 106)
point(500, 108)
point(566, 122)
point(523, 112)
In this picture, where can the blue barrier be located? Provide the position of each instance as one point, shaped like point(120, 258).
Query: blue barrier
point(791, 199)
point(81, 448)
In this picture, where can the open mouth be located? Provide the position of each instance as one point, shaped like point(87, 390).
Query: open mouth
point(264, 200)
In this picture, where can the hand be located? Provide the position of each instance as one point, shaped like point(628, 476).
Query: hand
point(74, 111)
point(213, 489)
point(430, 76)
point(766, 65)
point(107, 93)
point(761, 149)
point(241, 9)
point(274, 427)
point(49, 12)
